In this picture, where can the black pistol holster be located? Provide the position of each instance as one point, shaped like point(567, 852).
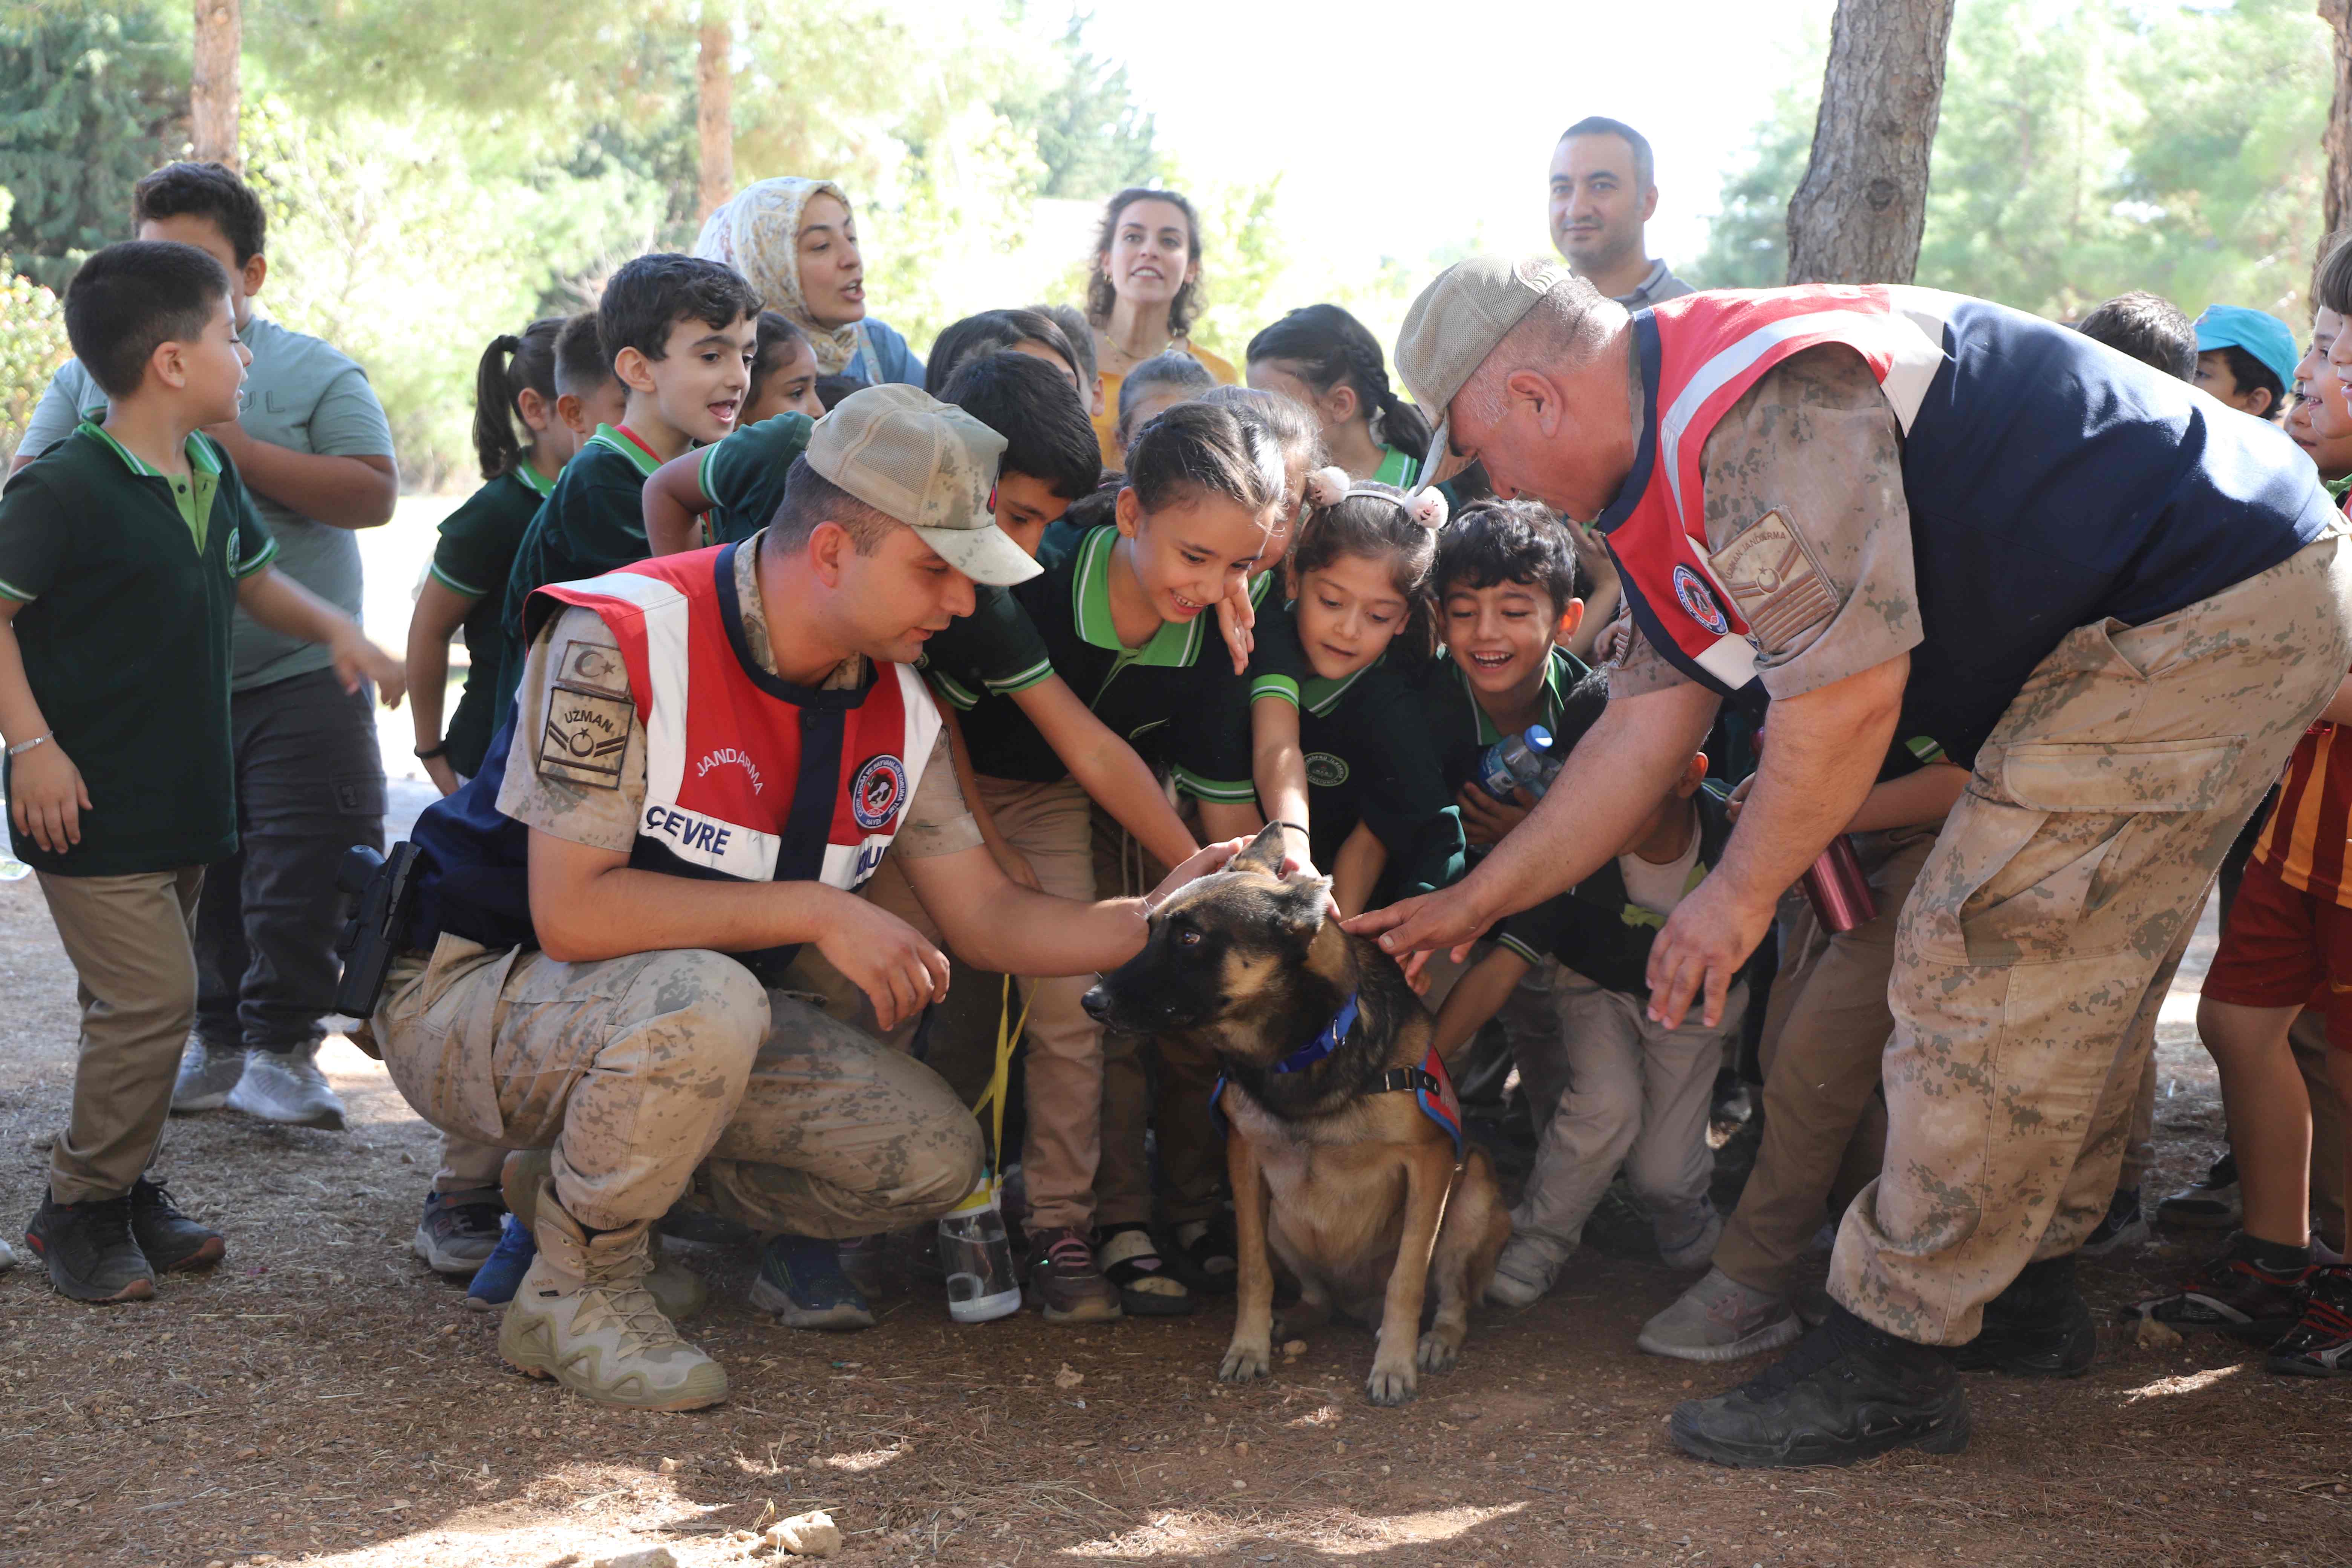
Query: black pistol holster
point(384, 889)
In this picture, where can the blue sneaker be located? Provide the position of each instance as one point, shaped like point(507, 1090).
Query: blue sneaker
point(500, 1275)
point(801, 1282)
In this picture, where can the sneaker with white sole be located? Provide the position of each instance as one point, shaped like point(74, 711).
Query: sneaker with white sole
point(208, 1074)
point(801, 1282)
point(287, 1088)
point(2125, 1224)
point(583, 1318)
point(459, 1230)
point(1525, 1272)
point(1719, 1319)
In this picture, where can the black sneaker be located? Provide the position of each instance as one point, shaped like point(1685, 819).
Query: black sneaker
point(2235, 1295)
point(1849, 1391)
point(2212, 1204)
point(89, 1250)
point(2125, 1224)
point(168, 1238)
point(2320, 1343)
point(2039, 1327)
point(459, 1231)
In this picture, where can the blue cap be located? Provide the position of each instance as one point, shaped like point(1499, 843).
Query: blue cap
point(2261, 335)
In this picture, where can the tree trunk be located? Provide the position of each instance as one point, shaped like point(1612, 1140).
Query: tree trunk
point(2336, 202)
point(1857, 215)
point(714, 113)
point(216, 92)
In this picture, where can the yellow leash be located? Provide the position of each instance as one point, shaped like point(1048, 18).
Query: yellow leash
point(1008, 1034)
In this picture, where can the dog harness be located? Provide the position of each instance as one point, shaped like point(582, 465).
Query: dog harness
point(1431, 1087)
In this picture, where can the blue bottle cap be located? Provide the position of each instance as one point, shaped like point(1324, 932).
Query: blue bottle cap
point(1538, 739)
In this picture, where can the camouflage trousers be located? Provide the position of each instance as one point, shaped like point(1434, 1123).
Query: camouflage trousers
point(2043, 930)
point(638, 1072)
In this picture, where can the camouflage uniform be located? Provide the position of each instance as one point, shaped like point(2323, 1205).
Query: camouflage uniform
point(636, 1070)
point(2044, 927)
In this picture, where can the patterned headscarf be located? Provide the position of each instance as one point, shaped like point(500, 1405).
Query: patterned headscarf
point(756, 232)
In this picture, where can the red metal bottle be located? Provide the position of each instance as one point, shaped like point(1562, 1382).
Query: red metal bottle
point(1839, 893)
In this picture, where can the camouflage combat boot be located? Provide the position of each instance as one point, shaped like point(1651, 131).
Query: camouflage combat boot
point(583, 1318)
point(676, 1289)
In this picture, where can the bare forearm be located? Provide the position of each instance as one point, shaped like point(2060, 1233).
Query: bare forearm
point(1119, 780)
point(282, 604)
point(1914, 800)
point(1477, 996)
point(340, 491)
point(673, 500)
point(1018, 931)
point(1355, 870)
point(1279, 768)
point(1818, 766)
point(20, 711)
point(616, 912)
point(1609, 786)
point(439, 612)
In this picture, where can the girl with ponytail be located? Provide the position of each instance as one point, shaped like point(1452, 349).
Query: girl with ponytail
point(1323, 357)
point(521, 445)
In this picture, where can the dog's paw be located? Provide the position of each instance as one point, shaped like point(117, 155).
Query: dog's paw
point(1392, 1385)
point(1245, 1362)
point(1438, 1353)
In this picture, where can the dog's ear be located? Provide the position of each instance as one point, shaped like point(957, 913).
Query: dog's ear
point(1304, 904)
point(1263, 855)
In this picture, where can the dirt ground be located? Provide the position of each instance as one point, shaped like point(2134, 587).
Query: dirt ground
point(322, 1398)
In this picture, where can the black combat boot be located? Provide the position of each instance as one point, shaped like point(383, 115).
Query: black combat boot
point(1849, 1390)
point(2039, 1327)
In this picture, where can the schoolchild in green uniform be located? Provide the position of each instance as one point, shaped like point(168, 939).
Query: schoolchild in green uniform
point(1326, 360)
point(1125, 620)
point(680, 333)
point(464, 589)
point(727, 491)
point(1345, 656)
point(124, 551)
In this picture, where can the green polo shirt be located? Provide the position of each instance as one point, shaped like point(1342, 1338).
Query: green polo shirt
point(1175, 699)
point(128, 579)
point(743, 475)
point(591, 521)
point(472, 558)
point(1367, 760)
point(1460, 730)
point(995, 651)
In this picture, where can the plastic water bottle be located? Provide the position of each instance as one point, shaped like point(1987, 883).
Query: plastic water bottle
point(976, 1258)
point(13, 869)
point(1517, 762)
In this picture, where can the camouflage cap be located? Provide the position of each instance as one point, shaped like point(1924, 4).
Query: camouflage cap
point(1454, 324)
point(929, 465)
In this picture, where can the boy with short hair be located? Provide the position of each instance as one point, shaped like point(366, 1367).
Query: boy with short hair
point(587, 393)
point(1612, 1086)
point(314, 451)
point(114, 661)
point(679, 334)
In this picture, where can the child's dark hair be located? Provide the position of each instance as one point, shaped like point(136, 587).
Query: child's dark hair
point(831, 389)
point(1203, 448)
point(129, 299)
point(2252, 375)
point(582, 365)
point(2152, 330)
point(1371, 521)
point(1294, 429)
point(1510, 542)
point(652, 294)
point(2331, 283)
point(779, 335)
point(204, 190)
point(1047, 435)
point(1172, 367)
point(512, 364)
point(992, 331)
point(1324, 346)
point(1072, 322)
point(1101, 297)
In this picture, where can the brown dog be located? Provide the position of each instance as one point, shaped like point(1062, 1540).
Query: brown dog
point(1336, 1113)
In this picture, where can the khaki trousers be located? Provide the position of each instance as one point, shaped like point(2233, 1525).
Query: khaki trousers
point(634, 1071)
point(1623, 1091)
point(2035, 948)
point(1825, 1028)
point(130, 940)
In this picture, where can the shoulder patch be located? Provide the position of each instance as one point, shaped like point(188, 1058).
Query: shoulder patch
point(592, 667)
point(1697, 602)
point(1773, 578)
point(586, 739)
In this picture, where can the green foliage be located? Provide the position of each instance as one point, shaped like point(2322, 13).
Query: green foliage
point(32, 345)
point(1243, 258)
point(1092, 136)
point(88, 93)
point(2087, 150)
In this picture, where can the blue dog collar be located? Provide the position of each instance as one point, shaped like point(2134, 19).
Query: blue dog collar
point(1324, 1044)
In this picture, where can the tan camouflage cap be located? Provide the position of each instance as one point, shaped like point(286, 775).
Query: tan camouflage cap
point(929, 465)
point(1453, 327)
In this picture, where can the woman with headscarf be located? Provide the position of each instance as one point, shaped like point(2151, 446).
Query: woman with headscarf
point(795, 240)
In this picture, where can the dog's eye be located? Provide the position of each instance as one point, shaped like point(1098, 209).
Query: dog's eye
point(1189, 938)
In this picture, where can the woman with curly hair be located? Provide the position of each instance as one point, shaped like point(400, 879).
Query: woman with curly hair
point(1144, 294)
